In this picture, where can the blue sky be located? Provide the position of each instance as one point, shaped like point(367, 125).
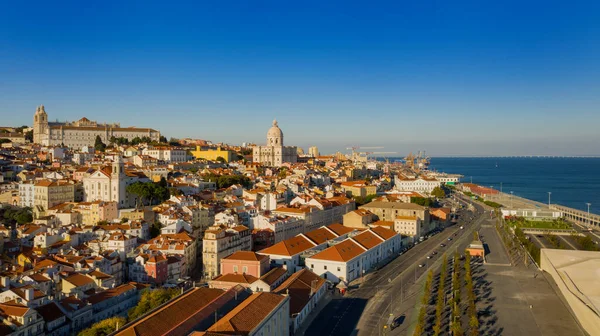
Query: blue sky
point(472, 77)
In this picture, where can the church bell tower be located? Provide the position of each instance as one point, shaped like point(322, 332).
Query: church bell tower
point(40, 125)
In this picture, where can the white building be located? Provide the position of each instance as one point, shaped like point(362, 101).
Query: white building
point(284, 227)
point(166, 154)
point(26, 194)
point(82, 132)
point(419, 184)
point(355, 256)
point(274, 153)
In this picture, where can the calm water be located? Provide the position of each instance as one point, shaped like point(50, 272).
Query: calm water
point(572, 181)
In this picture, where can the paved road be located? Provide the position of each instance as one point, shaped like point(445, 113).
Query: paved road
point(370, 303)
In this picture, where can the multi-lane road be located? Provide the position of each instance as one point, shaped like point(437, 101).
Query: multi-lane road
point(365, 310)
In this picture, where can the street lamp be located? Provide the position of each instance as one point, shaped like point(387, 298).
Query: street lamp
point(511, 202)
point(549, 194)
point(588, 219)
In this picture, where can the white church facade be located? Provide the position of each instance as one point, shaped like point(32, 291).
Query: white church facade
point(274, 153)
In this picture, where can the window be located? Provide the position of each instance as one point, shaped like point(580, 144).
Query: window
point(325, 267)
point(339, 269)
point(235, 269)
point(245, 269)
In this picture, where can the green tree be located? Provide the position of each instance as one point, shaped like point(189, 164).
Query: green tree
point(473, 325)
point(438, 192)
point(104, 327)
point(29, 136)
point(163, 139)
point(221, 159)
point(99, 145)
point(151, 299)
point(136, 141)
point(3, 141)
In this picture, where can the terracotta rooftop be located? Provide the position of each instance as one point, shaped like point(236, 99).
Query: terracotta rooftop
point(368, 239)
point(79, 280)
point(183, 314)
point(248, 314)
point(320, 235)
point(342, 252)
point(299, 287)
point(50, 312)
point(289, 247)
point(245, 255)
point(339, 229)
point(110, 293)
point(273, 275)
point(392, 205)
point(236, 278)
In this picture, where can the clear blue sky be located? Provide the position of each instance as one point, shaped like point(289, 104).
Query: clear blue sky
point(475, 77)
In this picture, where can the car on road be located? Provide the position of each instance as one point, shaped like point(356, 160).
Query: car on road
point(421, 265)
point(449, 238)
point(442, 245)
point(428, 257)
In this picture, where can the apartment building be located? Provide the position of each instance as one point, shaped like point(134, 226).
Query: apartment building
point(220, 242)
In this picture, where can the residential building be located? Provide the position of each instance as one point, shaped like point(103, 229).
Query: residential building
point(388, 211)
point(245, 262)
point(411, 226)
point(220, 242)
point(305, 289)
point(27, 194)
point(360, 218)
point(284, 227)
point(358, 188)
point(166, 154)
point(48, 193)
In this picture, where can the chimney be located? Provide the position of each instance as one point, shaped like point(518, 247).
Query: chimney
point(29, 294)
point(5, 281)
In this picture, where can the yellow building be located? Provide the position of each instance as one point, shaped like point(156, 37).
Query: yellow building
point(50, 193)
point(213, 154)
point(93, 212)
point(358, 189)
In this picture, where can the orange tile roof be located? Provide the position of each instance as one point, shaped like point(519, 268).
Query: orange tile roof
point(248, 314)
point(289, 247)
point(236, 278)
point(339, 229)
point(320, 235)
point(368, 239)
point(383, 232)
point(110, 293)
point(245, 255)
point(79, 280)
point(343, 252)
point(186, 310)
point(273, 275)
point(16, 309)
point(299, 287)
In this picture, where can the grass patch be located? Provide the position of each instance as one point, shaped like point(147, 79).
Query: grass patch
point(557, 224)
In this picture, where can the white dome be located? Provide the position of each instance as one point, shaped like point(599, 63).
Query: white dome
point(275, 135)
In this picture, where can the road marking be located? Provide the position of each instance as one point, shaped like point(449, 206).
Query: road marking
point(568, 242)
point(539, 241)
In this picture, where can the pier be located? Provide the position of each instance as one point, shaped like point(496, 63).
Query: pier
point(578, 216)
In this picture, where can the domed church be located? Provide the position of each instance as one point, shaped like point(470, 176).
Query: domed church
point(274, 153)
